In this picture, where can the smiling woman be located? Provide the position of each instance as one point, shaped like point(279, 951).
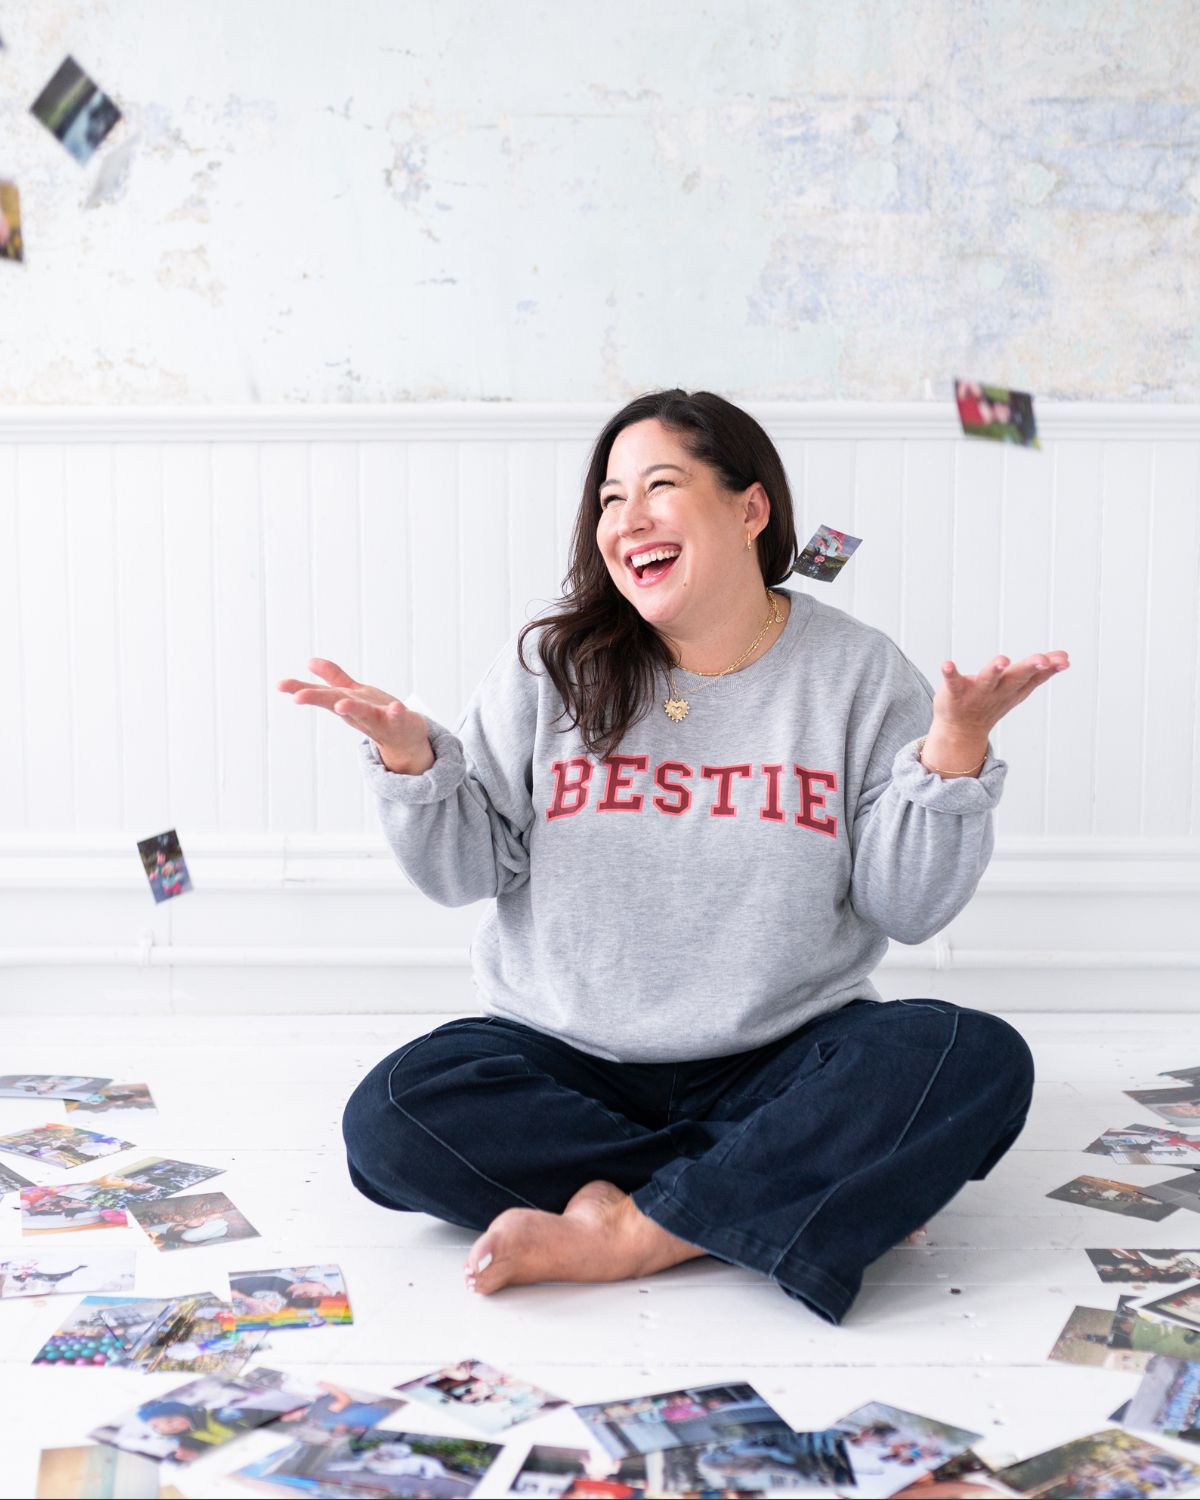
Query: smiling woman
point(682, 1052)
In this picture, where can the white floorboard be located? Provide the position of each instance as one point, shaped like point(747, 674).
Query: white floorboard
point(957, 1327)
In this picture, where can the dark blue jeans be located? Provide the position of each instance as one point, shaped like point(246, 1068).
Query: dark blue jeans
point(805, 1159)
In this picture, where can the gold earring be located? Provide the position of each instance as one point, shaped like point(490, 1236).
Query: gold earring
point(749, 541)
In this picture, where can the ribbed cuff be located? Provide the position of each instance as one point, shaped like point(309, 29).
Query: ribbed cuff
point(443, 777)
point(958, 794)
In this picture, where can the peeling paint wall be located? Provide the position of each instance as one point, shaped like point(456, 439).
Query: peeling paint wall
point(777, 198)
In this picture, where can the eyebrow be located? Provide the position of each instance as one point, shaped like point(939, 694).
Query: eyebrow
point(652, 469)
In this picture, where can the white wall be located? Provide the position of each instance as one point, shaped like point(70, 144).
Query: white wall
point(159, 571)
point(845, 199)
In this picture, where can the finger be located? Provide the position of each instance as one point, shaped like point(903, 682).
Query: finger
point(995, 669)
point(293, 685)
point(332, 673)
point(318, 697)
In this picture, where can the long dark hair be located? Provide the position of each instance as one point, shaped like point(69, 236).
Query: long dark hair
point(601, 655)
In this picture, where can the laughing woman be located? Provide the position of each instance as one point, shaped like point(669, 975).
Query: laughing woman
point(703, 805)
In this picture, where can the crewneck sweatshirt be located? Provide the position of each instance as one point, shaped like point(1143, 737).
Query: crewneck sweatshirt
point(713, 884)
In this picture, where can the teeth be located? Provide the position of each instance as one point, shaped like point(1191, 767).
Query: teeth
point(640, 559)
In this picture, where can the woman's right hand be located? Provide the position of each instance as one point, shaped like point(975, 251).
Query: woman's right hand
point(401, 735)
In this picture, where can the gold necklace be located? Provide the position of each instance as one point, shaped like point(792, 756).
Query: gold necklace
point(676, 708)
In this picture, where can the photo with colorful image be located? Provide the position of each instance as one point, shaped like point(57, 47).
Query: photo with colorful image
point(1145, 1265)
point(673, 1419)
point(1179, 1106)
point(69, 1208)
point(1181, 1307)
point(61, 1145)
point(1146, 1146)
point(387, 1464)
point(10, 1181)
point(160, 1176)
point(1108, 1463)
point(1148, 1333)
point(75, 111)
point(888, 1447)
point(1113, 1197)
point(334, 1413)
point(480, 1395)
point(164, 865)
point(1084, 1340)
point(113, 1098)
point(826, 553)
point(49, 1272)
point(192, 1221)
point(570, 1472)
point(1168, 1400)
point(184, 1424)
point(50, 1085)
point(775, 1462)
point(289, 1297)
point(84, 1339)
point(995, 412)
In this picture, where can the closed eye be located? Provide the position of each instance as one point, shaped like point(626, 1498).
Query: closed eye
point(604, 499)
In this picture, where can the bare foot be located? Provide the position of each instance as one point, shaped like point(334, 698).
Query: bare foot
point(916, 1236)
point(601, 1235)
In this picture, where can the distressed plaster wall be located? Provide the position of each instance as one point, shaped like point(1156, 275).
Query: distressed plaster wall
point(777, 198)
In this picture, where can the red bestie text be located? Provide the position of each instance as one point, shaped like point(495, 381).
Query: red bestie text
point(624, 784)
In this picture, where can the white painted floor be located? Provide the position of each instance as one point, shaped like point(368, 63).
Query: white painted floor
point(957, 1328)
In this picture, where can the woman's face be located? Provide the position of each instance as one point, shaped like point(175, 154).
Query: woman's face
point(656, 493)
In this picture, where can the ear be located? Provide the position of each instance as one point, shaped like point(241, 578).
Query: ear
point(756, 504)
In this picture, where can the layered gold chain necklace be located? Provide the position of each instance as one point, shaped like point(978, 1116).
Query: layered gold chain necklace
point(676, 708)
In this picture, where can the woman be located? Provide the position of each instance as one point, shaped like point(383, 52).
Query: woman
point(703, 809)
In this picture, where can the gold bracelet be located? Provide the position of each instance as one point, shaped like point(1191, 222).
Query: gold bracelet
point(937, 771)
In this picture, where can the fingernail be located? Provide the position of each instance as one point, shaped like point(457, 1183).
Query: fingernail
point(483, 1264)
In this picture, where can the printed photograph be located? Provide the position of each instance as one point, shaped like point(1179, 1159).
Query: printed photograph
point(12, 240)
point(192, 1221)
point(290, 1297)
point(74, 1206)
point(165, 867)
point(1146, 1266)
point(1168, 1400)
point(1114, 1197)
point(183, 1335)
point(84, 1338)
point(75, 111)
point(61, 1145)
point(571, 1472)
point(166, 1177)
point(826, 553)
point(993, 411)
point(1148, 1333)
point(1179, 1106)
point(1084, 1340)
point(888, 1448)
point(963, 1478)
point(481, 1395)
point(1106, 1463)
point(95, 1473)
point(1147, 1146)
point(776, 1463)
point(674, 1419)
point(1182, 1306)
point(1189, 1075)
point(53, 1271)
point(50, 1085)
point(190, 1421)
point(334, 1413)
point(1179, 1192)
point(113, 1098)
point(10, 1181)
point(404, 1463)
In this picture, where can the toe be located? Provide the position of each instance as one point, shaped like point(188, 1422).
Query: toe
point(480, 1258)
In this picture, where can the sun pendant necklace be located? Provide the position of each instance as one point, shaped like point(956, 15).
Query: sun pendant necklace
point(676, 708)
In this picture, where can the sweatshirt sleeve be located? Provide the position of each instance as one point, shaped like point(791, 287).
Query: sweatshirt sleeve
point(919, 843)
point(460, 831)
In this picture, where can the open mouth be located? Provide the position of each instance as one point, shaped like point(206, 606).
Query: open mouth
point(653, 572)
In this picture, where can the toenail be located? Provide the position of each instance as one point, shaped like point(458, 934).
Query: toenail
point(484, 1264)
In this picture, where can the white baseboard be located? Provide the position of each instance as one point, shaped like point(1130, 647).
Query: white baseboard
point(1083, 926)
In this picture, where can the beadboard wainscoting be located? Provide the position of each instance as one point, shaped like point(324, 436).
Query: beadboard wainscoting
point(161, 569)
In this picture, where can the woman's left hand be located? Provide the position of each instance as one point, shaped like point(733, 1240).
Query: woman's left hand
point(965, 709)
point(974, 705)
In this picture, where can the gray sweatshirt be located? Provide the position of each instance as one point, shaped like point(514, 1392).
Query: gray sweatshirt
point(715, 883)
